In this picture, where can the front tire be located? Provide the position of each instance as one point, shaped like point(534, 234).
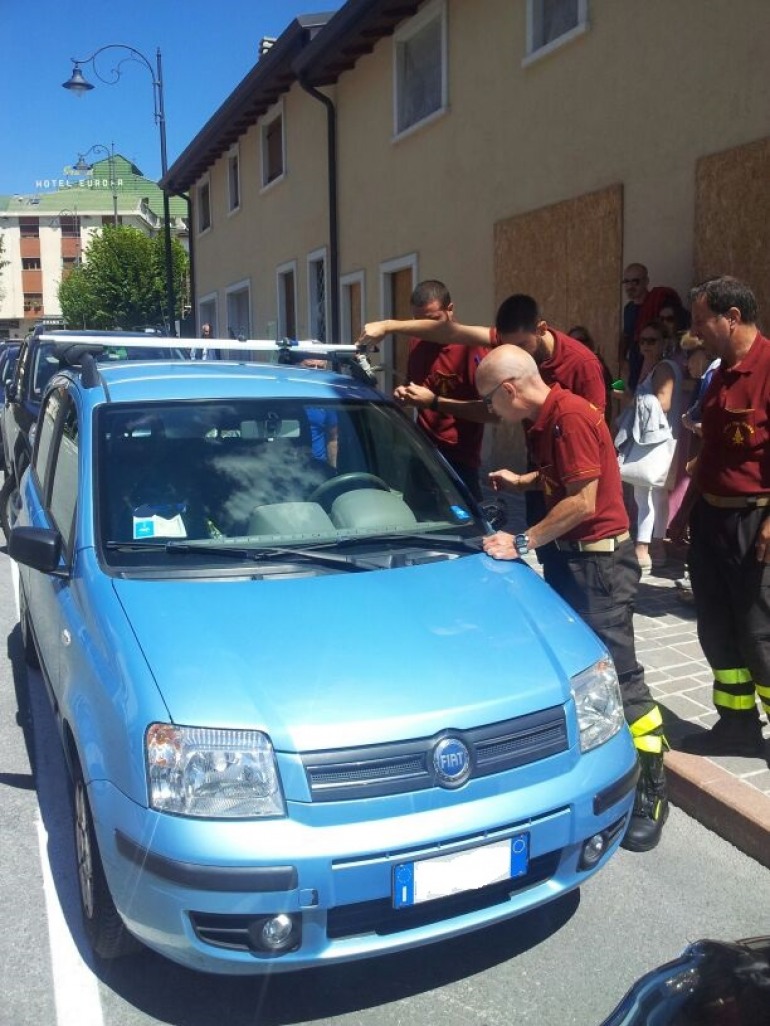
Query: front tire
point(104, 927)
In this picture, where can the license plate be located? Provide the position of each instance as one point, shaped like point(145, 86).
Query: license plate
point(444, 875)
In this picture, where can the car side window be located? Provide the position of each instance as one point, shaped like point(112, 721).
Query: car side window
point(64, 486)
point(45, 435)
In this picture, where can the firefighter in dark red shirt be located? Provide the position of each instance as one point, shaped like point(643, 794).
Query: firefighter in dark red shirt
point(441, 386)
point(730, 522)
point(594, 568)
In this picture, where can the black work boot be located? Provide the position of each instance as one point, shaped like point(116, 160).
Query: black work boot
point(734, 733)
point(650, 805)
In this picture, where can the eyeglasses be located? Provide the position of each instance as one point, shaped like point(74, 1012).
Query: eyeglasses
point(487, 399)
point(651, 340)
point(632, 281)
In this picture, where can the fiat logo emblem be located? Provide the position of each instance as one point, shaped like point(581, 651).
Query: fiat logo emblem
point(451, 762)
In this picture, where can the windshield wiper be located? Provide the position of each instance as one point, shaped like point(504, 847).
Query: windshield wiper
point(254, 555)
point(454, 542)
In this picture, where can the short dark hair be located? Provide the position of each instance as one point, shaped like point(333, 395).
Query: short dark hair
point(583, 335)
point(517, 313)
point(429, 291)
point(724, 292)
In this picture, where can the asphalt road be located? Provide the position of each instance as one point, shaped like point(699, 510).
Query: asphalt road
point(567, 965)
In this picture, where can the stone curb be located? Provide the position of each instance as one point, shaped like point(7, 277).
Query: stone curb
point(731, 808)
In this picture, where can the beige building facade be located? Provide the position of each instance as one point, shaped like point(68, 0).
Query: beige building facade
point(534, 146)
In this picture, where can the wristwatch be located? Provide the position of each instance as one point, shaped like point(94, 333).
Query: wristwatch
point(521, 541)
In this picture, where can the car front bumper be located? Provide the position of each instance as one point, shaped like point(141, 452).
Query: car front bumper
point(197, 891)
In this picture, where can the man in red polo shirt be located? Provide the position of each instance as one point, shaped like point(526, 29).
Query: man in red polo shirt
point(594, 568)
point(730, 523)
point(561, 359)
point(441, 386)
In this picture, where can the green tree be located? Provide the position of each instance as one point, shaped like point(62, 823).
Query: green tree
point(122, 281)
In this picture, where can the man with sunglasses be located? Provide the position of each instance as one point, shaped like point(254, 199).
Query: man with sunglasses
point(643, 306)
point(594, 568)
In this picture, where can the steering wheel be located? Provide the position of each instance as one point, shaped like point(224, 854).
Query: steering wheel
point(345, 482)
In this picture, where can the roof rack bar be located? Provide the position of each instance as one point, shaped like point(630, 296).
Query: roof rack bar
point(233, 345)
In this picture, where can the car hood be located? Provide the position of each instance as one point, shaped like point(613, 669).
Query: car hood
point(343, 659)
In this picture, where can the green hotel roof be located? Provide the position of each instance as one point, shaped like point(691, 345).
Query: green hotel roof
point(82, 196)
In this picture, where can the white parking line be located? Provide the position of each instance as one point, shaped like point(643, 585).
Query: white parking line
point(76, 991)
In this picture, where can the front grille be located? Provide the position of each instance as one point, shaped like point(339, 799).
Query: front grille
point(402, 767)
point(381, 918)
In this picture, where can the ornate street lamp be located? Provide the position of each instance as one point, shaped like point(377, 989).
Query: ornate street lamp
point(83, 167)
point(78, 85)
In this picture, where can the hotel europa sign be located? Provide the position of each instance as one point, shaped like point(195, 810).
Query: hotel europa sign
point(87, 182)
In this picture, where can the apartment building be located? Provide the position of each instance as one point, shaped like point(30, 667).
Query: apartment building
point(46, 233)
point(534, 146)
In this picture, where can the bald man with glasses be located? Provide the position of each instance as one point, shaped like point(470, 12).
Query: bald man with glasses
point(594, 567)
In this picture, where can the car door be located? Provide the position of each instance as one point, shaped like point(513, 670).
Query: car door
point(54, 479)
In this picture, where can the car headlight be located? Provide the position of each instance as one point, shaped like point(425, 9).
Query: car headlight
point(200, 771)
point(598, 704)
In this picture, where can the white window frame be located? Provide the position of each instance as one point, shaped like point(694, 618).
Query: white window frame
point(240, 286)
point(317, 256)
point(290, 267)
point(432, 11)
point(276, 111)
point(346, 280)
point(579, 29)
point(233, 154)
point(205, 304)
point(204, 183)
point(387, 268)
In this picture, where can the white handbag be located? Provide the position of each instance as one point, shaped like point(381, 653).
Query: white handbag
point(646, 466)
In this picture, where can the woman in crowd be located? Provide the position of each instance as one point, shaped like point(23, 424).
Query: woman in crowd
point(581, 334)
point(662, 378)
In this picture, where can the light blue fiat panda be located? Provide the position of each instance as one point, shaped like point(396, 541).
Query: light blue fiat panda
point(307, 719)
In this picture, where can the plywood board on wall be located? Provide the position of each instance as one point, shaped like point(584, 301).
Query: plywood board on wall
point(732, 218)
point(569, 257)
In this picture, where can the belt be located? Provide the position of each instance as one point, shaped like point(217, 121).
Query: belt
point(602, 545)
point(737, 501)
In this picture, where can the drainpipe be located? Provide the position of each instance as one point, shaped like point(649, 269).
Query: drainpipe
point(334, 256)
point(191, 252)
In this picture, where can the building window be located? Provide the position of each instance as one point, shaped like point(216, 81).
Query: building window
point(239, 311)
point(316, 281)
point(29, 227)
point(233, 182)
point(287, 300)
point(108, 221)
point(68, 264)
point(420, 54)
point(70, 227)
point(204, 207)
point(207, 314)
point(33, 302)
point(273, 148)
point(30, 263)
point(553, 22)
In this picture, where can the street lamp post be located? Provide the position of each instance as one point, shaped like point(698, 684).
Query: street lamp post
point(83, 167)
point(79, 86)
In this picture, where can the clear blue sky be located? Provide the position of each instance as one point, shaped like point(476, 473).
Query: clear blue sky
point(207, 47)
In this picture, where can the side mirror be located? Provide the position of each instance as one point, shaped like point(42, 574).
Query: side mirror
point(37, 547)
point(10, 391)
point(495, 513)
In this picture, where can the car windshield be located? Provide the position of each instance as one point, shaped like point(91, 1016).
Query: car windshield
point(256, 474)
